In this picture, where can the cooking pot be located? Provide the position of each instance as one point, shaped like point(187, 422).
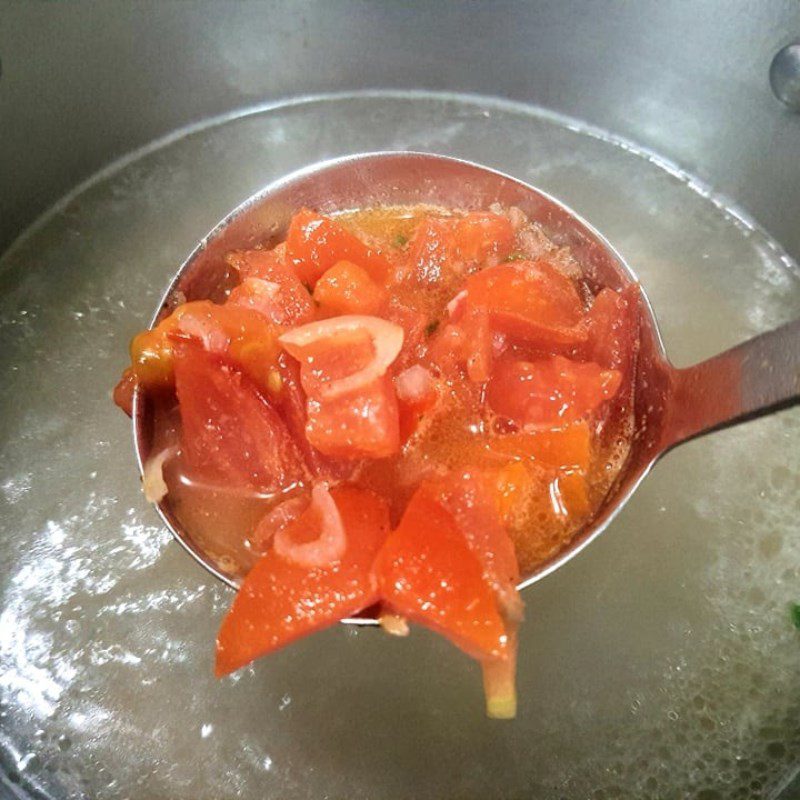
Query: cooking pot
point(662, 662)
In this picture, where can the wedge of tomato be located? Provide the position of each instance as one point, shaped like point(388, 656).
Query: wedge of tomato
point(315, 243)
point(281, 601)
point(230, 434)
point(427, 572)
point(531, 301)
point(469, 496)
point(549, 392)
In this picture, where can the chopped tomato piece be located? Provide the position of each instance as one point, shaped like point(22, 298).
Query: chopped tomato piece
point(315, 243)
point(427, 572)
point(415, 330)
point(478, 337)
point(514, 483)
point(256, 263)
point(518, 482)
point(449, 348)
point(469, 497)
point(613, 328)
point(230, 434)
point(281, 601)
point(352, 406)
point(242, 334)
point(480, 235)
point(290, 401)
point(270, 287)
point(347, 288)
point(363, 423)
point(549, 392)
point(430, 250)
point(531, 301)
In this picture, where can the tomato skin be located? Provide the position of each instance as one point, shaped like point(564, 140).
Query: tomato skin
point(431, 248)
point(427, 572)
point(315, 243)
point(481, 235)
point(549, 392)
point(272, 608)
point(530, 301)
point(347, 288)
point(361, 424)
point(291, 304)
point(248, 444)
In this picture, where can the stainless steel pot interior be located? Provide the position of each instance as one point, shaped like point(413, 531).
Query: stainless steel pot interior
point(662, 662)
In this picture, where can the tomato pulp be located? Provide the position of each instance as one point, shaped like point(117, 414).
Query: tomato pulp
point(399, 409)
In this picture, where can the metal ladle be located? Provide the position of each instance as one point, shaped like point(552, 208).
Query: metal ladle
point(671, 405)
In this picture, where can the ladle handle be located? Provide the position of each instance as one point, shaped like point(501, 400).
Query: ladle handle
point(750, 380)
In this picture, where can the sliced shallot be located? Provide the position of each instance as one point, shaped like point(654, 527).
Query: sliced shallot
point(153, 484)
point(331, 543)
point(276, 520)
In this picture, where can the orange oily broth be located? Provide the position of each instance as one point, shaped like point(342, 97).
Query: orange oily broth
point(544, 502)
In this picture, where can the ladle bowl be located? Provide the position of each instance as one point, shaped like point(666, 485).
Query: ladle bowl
point(671, 405)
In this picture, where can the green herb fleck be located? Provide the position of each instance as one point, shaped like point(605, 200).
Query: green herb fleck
point(400, 240)
point(517, 255)
point(431, 327)
point(794, 613)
